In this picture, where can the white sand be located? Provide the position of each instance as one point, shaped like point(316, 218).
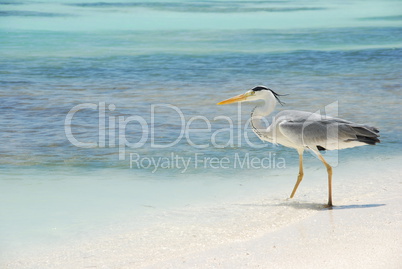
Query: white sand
point(364, 230)
point(356, 236)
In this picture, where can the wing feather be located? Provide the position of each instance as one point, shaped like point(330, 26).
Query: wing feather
point(312, 131)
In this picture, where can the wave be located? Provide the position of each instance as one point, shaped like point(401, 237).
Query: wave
point(20, 13)
point(206, 7)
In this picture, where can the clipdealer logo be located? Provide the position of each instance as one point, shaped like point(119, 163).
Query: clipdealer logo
point(109, 125)
point(112, 133)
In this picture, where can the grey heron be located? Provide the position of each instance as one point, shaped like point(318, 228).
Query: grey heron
point(304, 130)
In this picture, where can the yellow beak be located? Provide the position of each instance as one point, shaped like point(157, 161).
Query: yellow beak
point(238, 98)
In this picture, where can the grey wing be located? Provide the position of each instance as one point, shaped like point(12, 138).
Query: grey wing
point(328, 133)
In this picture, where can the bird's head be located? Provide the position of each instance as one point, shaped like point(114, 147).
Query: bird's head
point(255, 94)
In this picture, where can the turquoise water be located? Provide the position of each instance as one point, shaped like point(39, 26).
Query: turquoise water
point(132, 55)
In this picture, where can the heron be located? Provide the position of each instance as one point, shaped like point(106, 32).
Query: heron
point(303, 130)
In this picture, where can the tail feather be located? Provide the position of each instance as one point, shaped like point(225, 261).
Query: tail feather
point(366, 134)
point(367, 140)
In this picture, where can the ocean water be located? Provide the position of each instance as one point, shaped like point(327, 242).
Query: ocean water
point(140, 80)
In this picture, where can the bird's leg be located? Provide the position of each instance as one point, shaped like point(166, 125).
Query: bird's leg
point(300, 176)
point(329, 170)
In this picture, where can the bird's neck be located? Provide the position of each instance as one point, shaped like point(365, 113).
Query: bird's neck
point(258, 114)
point(265, 108)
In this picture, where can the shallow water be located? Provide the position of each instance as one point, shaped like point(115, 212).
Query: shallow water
point(131, 57)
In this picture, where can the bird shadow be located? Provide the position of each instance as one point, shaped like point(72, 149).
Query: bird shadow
point(320, 207)
point(356, 206)
point(313, 206)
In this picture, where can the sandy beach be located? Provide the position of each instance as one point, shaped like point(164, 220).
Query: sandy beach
point(363, 230)
point(350, 236)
